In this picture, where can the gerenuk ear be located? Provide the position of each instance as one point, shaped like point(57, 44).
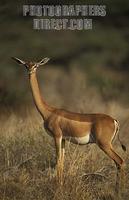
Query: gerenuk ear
point(43, 61)
point(21, 62)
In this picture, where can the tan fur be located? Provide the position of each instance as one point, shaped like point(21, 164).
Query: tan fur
point(60, 124)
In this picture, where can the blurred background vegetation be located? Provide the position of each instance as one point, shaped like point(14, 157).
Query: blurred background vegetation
point(84, 64)
point(88, 72)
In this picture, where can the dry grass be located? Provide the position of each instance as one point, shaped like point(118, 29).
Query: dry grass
point(27, 160)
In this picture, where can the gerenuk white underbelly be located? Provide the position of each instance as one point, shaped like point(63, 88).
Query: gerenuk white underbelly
point(79, 140)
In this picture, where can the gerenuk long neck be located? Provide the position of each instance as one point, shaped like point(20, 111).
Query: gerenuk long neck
point(41, 105)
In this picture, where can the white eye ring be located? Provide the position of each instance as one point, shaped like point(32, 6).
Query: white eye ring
point(35, 66)
point(33, 69)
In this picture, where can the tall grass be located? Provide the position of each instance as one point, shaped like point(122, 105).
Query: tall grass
point(27, 160)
